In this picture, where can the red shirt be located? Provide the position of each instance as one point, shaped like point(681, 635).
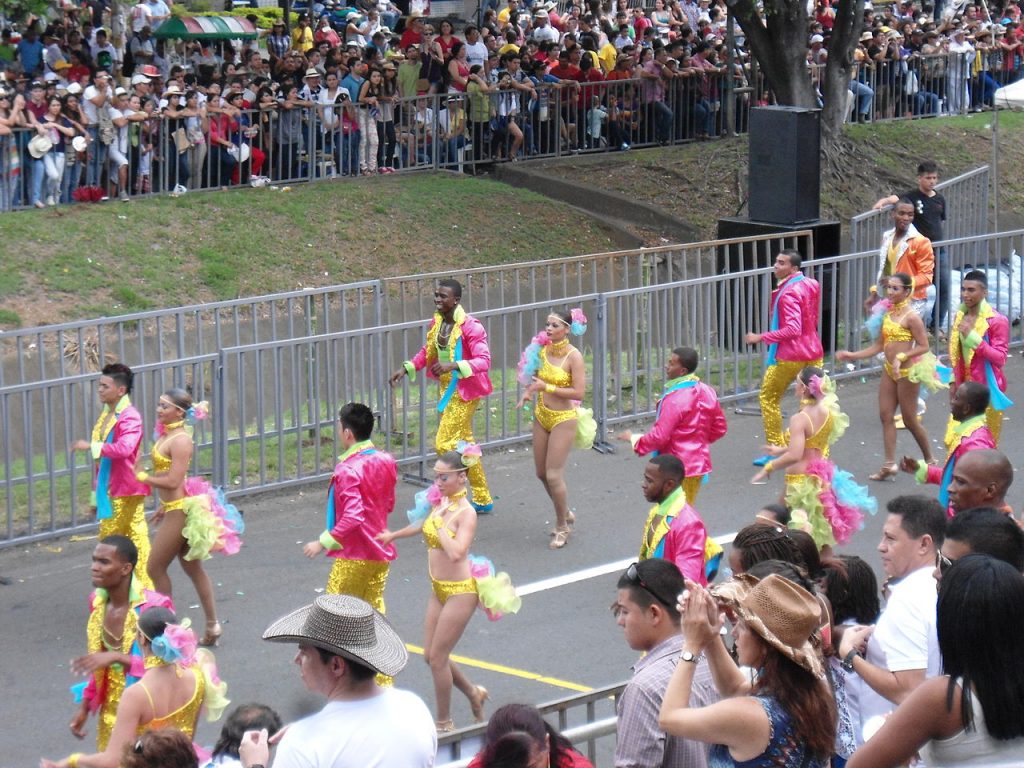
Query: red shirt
point(410, 37)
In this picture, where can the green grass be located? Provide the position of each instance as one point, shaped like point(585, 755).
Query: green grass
point(206, 246)
point(10, 318)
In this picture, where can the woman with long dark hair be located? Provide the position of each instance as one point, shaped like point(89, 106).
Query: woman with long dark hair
point(518, 737)
point(974, 713)
point(789, 718)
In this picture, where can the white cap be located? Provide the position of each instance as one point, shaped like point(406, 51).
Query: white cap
point(139, 79)
point(74, 89)
point(817, 39)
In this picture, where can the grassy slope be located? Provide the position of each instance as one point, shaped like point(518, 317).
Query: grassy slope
point(701, 183)
point(200, 247)
point(220, 245)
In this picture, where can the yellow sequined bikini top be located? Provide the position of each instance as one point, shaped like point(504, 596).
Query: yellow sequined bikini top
point(551, 374)
point(184, 718)
point(893, 331)
point(819, 440)
point(162, 463)
point(432, 527)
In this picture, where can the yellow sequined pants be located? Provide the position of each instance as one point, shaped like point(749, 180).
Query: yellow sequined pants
point(994, 422)
point(108, 709)
point(364, 579)
point(777, 379)
point(457, 424)
point(129, 519)
point(691, 487)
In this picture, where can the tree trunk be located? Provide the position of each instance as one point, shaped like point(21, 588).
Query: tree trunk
point(845, 31)
point(779, 41)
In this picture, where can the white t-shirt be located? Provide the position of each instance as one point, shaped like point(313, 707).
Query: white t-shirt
point(141, 16)
point(391, 730)
point(904, 638)
point(476, 53)
point(90, 93)
point(122, 132)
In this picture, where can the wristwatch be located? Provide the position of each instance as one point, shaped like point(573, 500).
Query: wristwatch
point(687, 656)
point(847, 663)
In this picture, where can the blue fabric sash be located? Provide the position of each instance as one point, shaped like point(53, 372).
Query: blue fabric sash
point(450, 390)
point(104, 506)
point(947, 478)
point(997, 398)
point(773, 325)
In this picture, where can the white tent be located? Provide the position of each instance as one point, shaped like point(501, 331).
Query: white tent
point(1010, 96)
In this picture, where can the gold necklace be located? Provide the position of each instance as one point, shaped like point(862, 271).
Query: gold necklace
point(174, 425)
point(559, 347)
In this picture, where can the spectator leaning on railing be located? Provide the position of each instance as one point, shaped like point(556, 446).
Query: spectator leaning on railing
point(525, 81)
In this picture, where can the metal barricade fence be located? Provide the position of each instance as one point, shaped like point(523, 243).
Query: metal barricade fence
point(410, 297)
point(166, 335)
point(966, 196)
point(275, 403)
point(587, 720)
point(46, 485)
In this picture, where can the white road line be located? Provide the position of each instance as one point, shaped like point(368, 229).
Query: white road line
point(593, 572)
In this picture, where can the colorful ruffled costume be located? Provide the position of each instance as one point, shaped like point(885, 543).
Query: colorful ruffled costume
point(826, 501)
point(925, 370)
point(178, 645)
point(212, 524)
point(534, 362)
point(494, 589)
point(103, 690)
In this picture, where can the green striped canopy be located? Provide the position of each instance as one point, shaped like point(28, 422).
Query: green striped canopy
point(207, 28)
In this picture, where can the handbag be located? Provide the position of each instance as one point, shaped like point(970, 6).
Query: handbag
point(181, 141)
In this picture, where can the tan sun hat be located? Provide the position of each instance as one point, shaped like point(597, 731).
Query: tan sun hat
point(785, 616)
point(346, 626)
point(39, 146)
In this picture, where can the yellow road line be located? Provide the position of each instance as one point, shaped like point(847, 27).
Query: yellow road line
point(511, 671)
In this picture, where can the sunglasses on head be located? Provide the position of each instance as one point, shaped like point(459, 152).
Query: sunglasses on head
point(943, 563)
point(633, 575)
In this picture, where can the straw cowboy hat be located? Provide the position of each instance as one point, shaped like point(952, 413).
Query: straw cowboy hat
point(783, 614)
point(345, 626)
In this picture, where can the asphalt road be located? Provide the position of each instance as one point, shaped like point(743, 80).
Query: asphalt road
point(564, 640)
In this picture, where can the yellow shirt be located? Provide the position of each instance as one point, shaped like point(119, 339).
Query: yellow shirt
point(607, 56)
point(302, 39)
point(508, 47)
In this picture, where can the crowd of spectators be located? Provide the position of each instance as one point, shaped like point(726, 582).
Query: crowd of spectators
point(347, 95)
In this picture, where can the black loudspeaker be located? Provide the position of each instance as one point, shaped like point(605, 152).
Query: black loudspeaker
point(735, 258)
point(785, 164)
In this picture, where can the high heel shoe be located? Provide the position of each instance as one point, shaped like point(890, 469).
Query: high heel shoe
point(570, 523)
point(561, 537)
point(888, 472)
point(444, 726)
point(212, 635)
point(476, 702)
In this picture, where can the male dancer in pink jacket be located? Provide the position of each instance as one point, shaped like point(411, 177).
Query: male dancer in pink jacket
point(117, 498)
point(688, 420)
point(792, 339)
point(456, 355)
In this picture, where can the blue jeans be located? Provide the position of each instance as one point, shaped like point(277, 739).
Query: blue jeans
point(38, 175)
point(72, 176)
point(454, 145)
point(864, 96)
point(96, 158)
point(926, 103)
point(703, 118)
point(663, 117)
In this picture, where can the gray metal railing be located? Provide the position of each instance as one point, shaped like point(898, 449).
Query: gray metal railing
point(274, 402)
point(967, 211)
point(585, 719)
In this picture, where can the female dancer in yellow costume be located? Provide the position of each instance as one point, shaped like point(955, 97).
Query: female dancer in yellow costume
point(448, 533)
point(193, 521)
point(178, 682)
point(559, 378)
point(908, 364)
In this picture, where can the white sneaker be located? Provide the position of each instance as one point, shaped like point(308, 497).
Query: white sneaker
point(50, 200)
point(179, 190)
